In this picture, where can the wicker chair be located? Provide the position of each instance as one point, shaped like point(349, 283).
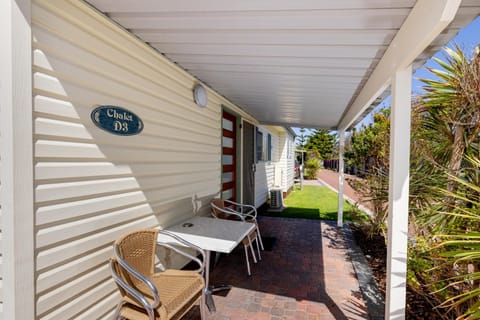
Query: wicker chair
point(151, 295)
point(226, 209)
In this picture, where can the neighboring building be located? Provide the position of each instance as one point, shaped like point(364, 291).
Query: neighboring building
point(89, 186)
point(275, 163)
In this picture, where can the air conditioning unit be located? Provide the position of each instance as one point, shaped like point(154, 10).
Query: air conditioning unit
point(276, 200)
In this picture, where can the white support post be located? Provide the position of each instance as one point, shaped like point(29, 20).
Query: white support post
point(341, 167)
point(398, 195)
point(16, 150)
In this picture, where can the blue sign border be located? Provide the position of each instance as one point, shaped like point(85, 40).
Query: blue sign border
point(116, 120)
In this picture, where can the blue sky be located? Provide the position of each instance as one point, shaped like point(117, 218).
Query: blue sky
point(468, 38)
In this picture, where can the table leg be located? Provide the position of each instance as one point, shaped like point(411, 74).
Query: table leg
point(210, 289)
point(208, 293)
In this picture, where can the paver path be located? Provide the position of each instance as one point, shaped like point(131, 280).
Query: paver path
point(307, 274)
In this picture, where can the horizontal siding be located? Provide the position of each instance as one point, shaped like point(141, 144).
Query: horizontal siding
point(261, 184)
point(279, 171)
point(290, 162)
point(285, 161)
point(280, 168)
point(265, 171)
point(92, 186)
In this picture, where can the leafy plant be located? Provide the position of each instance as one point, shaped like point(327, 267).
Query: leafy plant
point(374, 189)
point(368, 147)
point(444, 197)
point(312, 165)
point(460, 249)
point(369, 150)
point(451, 110)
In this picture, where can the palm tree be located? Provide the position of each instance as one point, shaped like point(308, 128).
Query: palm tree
point(459, 256)
point(446, 128)
point(451, 108)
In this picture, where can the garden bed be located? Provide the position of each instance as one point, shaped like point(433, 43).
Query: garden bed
point(375, 251)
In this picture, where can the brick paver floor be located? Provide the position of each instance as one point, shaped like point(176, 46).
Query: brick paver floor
point(306, 274)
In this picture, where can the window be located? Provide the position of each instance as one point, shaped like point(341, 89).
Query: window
point(259, 144)
point(269, 147)
point(263, 146)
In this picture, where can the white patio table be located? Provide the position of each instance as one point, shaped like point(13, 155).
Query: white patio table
point(211, 234)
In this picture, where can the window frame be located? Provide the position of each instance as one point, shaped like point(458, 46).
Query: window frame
point(259, 145)
point(269, 147)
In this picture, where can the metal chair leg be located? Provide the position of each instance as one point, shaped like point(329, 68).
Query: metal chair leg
point(259, 236)
point(258, 249)
point(251, 249)
point(248, 263)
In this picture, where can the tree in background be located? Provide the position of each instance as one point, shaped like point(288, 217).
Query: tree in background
point(323, 141)
point(302, 138)
point(368, 148)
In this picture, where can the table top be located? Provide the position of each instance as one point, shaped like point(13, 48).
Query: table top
point(212, 234)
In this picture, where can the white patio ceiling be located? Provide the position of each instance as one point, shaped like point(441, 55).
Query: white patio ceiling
point(287, 62)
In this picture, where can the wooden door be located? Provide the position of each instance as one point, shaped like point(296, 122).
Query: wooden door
point(229, 155)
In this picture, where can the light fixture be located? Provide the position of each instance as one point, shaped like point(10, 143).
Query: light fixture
point(200, 95)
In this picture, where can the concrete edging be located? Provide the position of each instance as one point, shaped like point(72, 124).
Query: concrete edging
point(369, 287)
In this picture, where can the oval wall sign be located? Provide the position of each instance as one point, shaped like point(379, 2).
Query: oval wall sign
point(117, 120)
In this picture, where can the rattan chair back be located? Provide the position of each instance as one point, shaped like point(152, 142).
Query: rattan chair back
point(137, 248)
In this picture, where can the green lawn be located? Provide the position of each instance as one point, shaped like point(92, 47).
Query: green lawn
point(314, 202)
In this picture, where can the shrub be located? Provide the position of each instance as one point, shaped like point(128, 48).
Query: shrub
point(311, 168)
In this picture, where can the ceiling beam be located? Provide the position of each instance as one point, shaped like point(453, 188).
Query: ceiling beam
point(424, 23)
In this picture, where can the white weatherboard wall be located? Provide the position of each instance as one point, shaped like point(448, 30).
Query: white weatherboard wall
point(265, 170)
point(92, 186)
point(287, 160)
point(264, 173)
point(283, 158)
point(277, 173)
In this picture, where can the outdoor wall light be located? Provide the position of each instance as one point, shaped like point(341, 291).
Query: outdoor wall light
point(200, 95)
